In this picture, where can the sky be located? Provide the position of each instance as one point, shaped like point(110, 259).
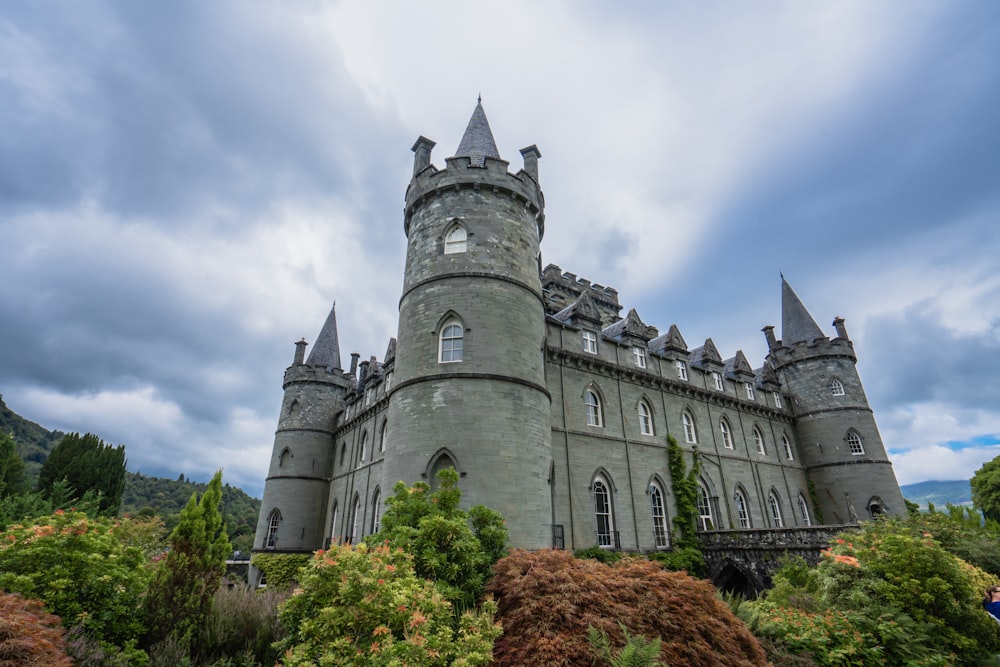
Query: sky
point(187, 187)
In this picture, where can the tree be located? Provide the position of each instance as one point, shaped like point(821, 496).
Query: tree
point(985, 485)
point(87, 464)
point(11, 467)
point(29, 636)
point(186, 579)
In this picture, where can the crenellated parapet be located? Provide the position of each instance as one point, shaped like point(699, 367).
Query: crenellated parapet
point(782, 355)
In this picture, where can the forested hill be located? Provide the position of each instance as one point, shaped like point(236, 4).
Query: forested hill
point(34, 442)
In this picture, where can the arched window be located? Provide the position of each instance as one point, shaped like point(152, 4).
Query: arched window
point(742, 509)
point(286, 455)
point(364, 446)
point(804, 511)
point(356, 521)
point(442, 460)
point(660, 535)
point(645, 418)
point(452, 334)
point(376, 510)
point(758, 439)
point(334, 537)
point(875, 507)
point(705, 519)
point(273, 521)
point(837, 387)
point(775, 505)
point(690, 433)
point(456, 240)
point(603, 514)
point(343, 452)
point(381, 438)
point(787, 446)
point(727, 434)
point(855, 443)
point(592, 403)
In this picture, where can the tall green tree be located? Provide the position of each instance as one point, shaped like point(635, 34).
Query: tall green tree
point(985, 485)
point(185, 581)
point(11, 467)
point(87, 464)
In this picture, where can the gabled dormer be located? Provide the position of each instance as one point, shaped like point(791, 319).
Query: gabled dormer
point(670, 345)
point(582, 312)
point(706, 357)
point(631, 330)
point(738, 368)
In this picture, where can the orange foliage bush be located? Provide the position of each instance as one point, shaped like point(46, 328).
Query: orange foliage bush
point(547, 599)
point(29, 635)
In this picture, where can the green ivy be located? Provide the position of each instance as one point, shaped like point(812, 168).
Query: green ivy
point(816, 508)
point(280, 570)
point(685, 486)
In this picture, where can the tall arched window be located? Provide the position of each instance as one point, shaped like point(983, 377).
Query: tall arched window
point(286, 455)
point(727, 434)
point(645, 418)
point(356, 520)
point(660, 535)
point(273, 521)
point(364, 446)
point(837, 387)
point(334, 537)
point(775, 505)
point(758, 439)
point(376, 510)
point(452, 335)
point(381, 438)
point(604, 514)
point(742, 509)
point(705, 519)
point(787, 446)
point(456, 240)
point(690, 433)
point(804, 511)
point(592, 404)
point(855, 443)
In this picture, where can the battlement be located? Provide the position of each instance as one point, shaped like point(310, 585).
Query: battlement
point(819, 347)
point(297, 373)
point(563, 288)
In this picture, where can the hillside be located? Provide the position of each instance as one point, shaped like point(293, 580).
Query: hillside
point(34, 442)
point(941, 493)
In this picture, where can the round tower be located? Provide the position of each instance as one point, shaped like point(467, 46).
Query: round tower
point(296, 492)
point(838, 440)
point(469, 388)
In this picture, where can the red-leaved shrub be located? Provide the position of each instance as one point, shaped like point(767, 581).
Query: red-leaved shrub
point(547, 600)
point(29, 635)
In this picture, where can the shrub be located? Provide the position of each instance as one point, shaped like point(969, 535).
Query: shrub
point(280, 570)
point(243, 624)
point(29, 636)
point(681, 559)
point(361, 607)
point(548, 599)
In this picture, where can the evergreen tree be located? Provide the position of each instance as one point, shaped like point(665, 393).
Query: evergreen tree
point(985, 485)
point(87, 464)
point(11, 467)
point(186, 580)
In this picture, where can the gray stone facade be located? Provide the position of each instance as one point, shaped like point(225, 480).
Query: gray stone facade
point(553, 407)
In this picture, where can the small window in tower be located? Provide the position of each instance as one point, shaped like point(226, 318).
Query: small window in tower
point(451, 343)
point(286, 454)
point(639, 356)
point(682, 370)
point(273, 522)
point(748, 387)
point(456, 240)
point(717, 378)
point(837, 387)
point(855, 443)
point(590, 342)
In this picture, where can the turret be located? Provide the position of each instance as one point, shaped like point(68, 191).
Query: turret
point(839, 442)
point(469, 389)
point(297, 488)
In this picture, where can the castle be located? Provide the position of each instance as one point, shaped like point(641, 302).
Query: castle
point(554, 408)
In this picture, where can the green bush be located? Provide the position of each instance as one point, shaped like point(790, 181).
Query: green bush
point(280, 570)
point(369, 607)
point(681, 559)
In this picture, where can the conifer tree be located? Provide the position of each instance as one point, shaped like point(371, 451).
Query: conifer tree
point(185, 581)
point(87, 464)
point(11, 467)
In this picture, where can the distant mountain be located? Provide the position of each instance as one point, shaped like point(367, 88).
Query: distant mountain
point(941, 493)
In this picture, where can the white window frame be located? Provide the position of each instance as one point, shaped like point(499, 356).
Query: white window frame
point(273, 522)
point(690, 430)
point(356, 521)
point(646, 419)
point(777, 400)
point(661, 536)
point(856, 444)
point(727, 433)
point(706, 521)
point(787, 444)
point(775, 504)
point(837, 387)
point(742, 509)
point(590, 342)
point(758, 438)
point(594, 411)
point(719, 384)
point(451, 343)
point(333, 524)
point(804, 510)
point(682, 370)
point(364, 447)
point(748, 387)
point(376, 507)
point(639, 356)
point(604, 514)
point(456, 240)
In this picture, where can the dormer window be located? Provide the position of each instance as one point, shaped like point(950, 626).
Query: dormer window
point(777, 400)
point(717, 378)
point(748, 387)
point(456, 240)
point(682, 370)
point(590, 342)
point(639, 356)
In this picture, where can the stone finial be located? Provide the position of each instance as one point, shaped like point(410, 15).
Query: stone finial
point(422, 154)
point(300, 352)
point(531, 155)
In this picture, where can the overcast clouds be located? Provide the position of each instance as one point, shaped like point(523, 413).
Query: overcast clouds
point(186, 187)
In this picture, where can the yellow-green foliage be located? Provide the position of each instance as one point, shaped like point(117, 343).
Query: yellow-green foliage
point(280, 570)
point(361, 606)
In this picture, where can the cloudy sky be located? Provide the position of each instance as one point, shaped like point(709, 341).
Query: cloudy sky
point(186, 187)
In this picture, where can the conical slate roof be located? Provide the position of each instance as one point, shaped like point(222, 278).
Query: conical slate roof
point(326, 351)
point(477, 142)
point(797, 325)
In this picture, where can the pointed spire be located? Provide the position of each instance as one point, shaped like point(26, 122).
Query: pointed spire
point(797, 325)
point(326, 351)
point(477, 142)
